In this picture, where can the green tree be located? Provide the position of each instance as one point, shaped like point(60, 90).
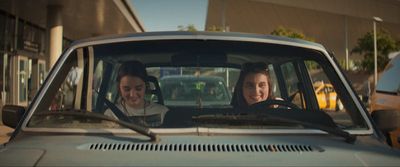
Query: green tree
point(215, 28)
point(189, 27)
point(365, 47)
point(282, 31)
point(286, 32)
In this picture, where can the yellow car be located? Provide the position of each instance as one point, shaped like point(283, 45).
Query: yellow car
point(327, 97)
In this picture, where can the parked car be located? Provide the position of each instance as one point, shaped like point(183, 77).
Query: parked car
point(65, 124)
point(386, 98)
point(327, 97)
point(387, 93)
point(191, 90)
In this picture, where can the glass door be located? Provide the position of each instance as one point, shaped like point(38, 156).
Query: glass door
point(23, 80)
point(42, 71)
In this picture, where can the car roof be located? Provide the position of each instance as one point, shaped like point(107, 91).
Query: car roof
point(201, 35)
point(286, 47)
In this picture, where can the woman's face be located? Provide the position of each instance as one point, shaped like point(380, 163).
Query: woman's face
point(132, 91)
point(255, 88)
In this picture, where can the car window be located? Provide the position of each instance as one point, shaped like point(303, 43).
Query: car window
point(276, 91)
point(66, 94)
point(194, 86)
point(327, 98)
point(292, 84)
point(191, 83)
point(389, 81)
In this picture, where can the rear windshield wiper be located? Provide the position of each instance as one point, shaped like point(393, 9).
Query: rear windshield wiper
point(85, 114)
point(264, 118)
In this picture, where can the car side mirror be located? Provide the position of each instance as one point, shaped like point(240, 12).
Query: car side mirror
point(12, 114)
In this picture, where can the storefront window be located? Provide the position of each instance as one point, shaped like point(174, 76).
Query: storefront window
point(42, 72)
point(30, 37)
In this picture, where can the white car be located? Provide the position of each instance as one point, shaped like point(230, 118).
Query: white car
point(65, 124)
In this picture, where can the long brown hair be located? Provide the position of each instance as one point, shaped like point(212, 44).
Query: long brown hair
point(238, 100)
point(133, 68)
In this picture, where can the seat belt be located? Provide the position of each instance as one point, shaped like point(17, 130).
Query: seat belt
point(120, 115)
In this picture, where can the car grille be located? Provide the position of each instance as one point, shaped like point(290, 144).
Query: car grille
point(201, 147)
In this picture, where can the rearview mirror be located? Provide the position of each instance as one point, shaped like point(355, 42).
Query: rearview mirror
point(12, 114)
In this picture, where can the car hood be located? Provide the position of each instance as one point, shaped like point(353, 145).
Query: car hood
point(315, 150)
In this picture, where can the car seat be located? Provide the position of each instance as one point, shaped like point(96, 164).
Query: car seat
point(154, 90)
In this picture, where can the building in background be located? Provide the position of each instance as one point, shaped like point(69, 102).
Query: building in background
point(337, 24)
point(33, 34)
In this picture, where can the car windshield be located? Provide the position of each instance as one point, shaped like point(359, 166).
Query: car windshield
point(196, 79)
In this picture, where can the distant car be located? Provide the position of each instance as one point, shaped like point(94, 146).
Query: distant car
point(190, 90)
point(387, 94)
point(66, 125)
point(327, 97)
point(386, 97)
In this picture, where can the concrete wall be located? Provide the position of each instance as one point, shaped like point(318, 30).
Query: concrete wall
point(323, 20)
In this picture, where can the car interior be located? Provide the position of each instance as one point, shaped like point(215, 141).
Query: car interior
point(292, 80)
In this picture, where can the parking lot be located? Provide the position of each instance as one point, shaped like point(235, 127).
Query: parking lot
point(5, 133)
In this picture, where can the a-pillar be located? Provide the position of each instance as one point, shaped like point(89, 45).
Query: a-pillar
point(54, 33)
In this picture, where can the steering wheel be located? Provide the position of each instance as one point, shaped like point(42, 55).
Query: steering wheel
point(270, 102)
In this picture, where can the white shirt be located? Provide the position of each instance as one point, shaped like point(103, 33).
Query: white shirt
point(152, 115)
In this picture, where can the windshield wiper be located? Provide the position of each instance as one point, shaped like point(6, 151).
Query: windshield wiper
point(262, 118)
point(84, 114)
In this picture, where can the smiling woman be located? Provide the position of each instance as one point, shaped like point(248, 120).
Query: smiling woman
point(254, 85)
point(132, 84)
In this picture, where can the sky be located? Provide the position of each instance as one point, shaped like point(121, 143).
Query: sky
point(167, 15)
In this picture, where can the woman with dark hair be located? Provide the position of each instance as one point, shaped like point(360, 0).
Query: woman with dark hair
point(253, 85)
point(132, 83)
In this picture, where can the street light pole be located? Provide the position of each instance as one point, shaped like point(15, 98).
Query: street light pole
point(346, 41)
point(376, 19)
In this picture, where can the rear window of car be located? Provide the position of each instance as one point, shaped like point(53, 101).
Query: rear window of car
point(389, 81)
point(187, 86)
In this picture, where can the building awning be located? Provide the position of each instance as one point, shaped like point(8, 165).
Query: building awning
point(81, 19)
